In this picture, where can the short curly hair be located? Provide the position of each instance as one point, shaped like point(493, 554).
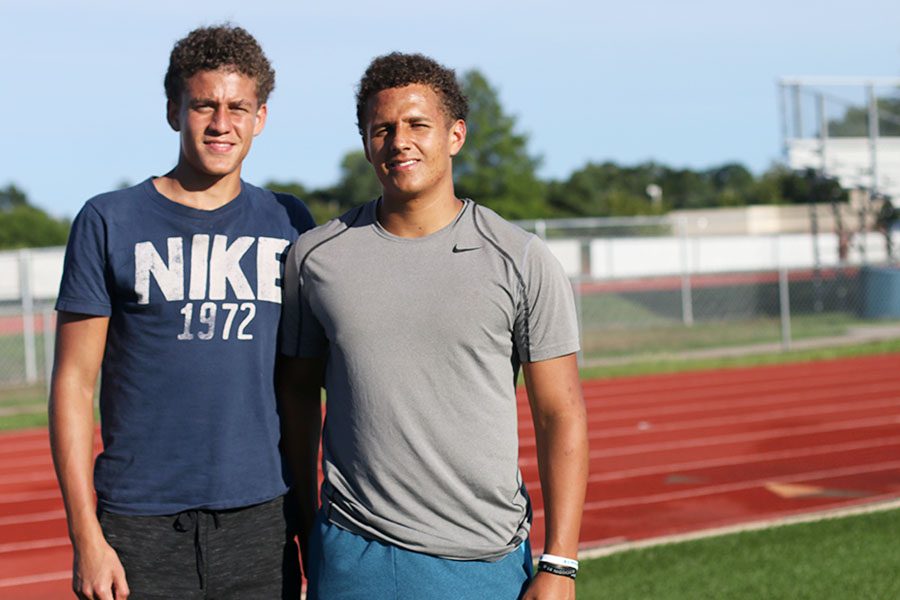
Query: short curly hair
point(398, 70)
point(218, 47)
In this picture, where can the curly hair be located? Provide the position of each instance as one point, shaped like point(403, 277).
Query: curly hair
point(211, 48)
point(398, 70)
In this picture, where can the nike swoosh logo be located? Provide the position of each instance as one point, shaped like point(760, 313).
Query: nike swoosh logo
point(457, 249)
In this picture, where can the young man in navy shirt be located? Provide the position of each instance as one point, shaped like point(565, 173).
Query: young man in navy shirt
point(173, 288)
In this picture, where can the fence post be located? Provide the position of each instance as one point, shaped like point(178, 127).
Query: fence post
point(49, 344)
point(687, 301)
point(785, 306)
point(576, 288)
point(27, 315)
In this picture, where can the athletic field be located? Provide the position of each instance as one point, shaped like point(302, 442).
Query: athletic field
point(671, 455)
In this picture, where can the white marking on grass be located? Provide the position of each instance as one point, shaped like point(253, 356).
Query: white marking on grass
point(615, 546)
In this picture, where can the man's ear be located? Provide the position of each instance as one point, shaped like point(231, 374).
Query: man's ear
point(261, 113)
point(457, 135)
point(172, 116)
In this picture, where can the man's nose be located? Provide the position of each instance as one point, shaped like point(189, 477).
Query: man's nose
point(221, 121)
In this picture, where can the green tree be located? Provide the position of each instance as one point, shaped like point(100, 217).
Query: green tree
point(494, 167)
point(321, 203)
point(604, 190)
point(25, 226)
point(781, 185)
point(732, 184)
point(11, 197)
point(855, 120)
point(357, 183)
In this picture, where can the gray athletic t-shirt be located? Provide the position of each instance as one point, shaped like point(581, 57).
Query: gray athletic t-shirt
point(423, 339)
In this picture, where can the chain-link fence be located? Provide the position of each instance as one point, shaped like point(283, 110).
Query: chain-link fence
point(735, 312)
point(645, 287)
point(705, 286)
point(29, 280)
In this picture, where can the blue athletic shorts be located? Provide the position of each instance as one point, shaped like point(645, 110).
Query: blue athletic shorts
point(346, 566)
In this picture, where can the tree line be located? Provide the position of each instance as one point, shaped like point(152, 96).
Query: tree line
point(496, 169)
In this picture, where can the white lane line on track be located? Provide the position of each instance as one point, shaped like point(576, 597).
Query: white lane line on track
point(10, 447)
point(45, 475)
point(647, 420)
point(16, 497)
point(701, 380)
point(635, 395)
point(737, 438)
point(32, 579)
point(50, 515)
point(619, 545)
point(527, 439)
point(746, 459)
point(738, 486)
point(739, 460)
point(770, 415)
point(600, 394)
point(720, 402)
point(42, 459)
point(34, 545)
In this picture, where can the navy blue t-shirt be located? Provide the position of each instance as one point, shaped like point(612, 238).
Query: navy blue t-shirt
point(187, 399)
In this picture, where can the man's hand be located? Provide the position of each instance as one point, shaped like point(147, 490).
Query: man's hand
point(560, 428)
point(546, 586)
point(80, 344)
point(97, 573)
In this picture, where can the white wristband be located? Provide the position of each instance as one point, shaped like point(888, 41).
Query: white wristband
point(560, 561)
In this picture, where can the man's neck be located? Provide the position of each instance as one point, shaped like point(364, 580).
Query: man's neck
point(200, 192)
point(418, 217)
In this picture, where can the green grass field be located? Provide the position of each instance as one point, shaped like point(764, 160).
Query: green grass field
point(843, 558)
point(23, 407)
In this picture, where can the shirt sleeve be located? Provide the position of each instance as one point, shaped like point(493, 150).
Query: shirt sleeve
point(546, 323)
point(84, 287)
point(301, 334)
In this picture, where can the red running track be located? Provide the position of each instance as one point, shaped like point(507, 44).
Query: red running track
point(669, 454)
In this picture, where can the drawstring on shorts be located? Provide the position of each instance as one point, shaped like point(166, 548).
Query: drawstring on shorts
point(190, 520)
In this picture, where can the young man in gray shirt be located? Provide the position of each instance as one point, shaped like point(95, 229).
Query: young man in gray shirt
point(422, 307)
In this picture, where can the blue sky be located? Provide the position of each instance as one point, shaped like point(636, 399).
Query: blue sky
point(687, 84)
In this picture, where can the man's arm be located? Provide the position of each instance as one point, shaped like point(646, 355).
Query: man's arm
point(298, 387)
point(560, 427)
point(80, 342)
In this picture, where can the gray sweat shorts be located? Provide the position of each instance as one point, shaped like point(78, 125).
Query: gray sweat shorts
point(244, 553)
